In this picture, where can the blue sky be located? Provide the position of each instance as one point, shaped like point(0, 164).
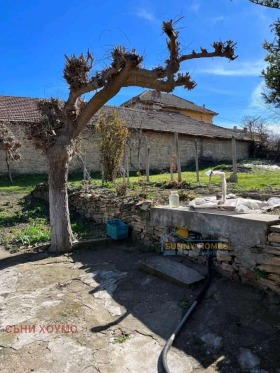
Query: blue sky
point(36, 34)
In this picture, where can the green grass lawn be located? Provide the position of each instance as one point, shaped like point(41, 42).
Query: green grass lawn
point(256, 179)
point(21, 183)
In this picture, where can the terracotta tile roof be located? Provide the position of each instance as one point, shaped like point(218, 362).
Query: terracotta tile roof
point(160, 121)
point(167, 100)
point(20, 109)
point(24, 109)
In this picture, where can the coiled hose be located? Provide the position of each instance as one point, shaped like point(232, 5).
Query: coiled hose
point(198, 299)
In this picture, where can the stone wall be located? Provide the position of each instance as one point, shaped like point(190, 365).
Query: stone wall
point(132, 210)
point(101, 206)
point(32, 161)
point(161, 149)
point(260, 269)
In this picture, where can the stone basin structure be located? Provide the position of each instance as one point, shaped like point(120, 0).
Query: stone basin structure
point(254, 239)
point(244, 230)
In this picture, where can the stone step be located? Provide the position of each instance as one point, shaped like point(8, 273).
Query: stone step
point(171, 270)
point(275, 228)
point(267, 249)
point(274, 237)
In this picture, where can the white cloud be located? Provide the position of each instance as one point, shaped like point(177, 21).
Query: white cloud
point(144, 14)
point(246, 68)
point(195, 6)
point(258, 108)
point(256, 99)
point(220, 91)
point(215, 20)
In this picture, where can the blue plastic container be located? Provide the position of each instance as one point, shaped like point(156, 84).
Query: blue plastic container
point(117, 229)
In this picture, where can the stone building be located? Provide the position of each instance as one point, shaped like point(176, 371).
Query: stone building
point(152, 120)
point(152, 100)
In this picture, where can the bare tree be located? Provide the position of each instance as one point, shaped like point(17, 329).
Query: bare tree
point(258, 132)
point(137, 138)
point(10, 145)
point(256, 127)
point(57, 132)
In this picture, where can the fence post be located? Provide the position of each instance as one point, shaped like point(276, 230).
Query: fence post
point(178, 157)
point(127, 152)
point(233, 176)
point(147, 163)
point(196, 161)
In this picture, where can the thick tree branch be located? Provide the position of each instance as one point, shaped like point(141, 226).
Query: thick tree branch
point(220, 50)
point(102, 96)
point(77, 69)
point(172, 64)
point(150, 79)
point(125, 71)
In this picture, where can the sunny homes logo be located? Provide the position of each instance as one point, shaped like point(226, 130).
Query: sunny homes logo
point(42, 329)
point(181, 241)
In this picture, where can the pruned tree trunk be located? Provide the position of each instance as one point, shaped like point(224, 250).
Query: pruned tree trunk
point(62, 237)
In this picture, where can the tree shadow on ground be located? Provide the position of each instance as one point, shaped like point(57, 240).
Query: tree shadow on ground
point(20, 258)
point(231, 316)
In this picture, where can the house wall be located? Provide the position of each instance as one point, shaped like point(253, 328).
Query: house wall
point(204, 117)
point(161, 150)
point(207, 118)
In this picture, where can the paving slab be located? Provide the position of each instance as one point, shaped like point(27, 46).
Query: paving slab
point(171, 270)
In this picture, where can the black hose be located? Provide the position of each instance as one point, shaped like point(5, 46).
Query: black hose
point(198, 299)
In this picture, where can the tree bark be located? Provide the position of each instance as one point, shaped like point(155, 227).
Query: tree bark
point(62, 237)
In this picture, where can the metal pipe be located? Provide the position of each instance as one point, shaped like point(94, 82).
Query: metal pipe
point(224, 183)
point(198, 299)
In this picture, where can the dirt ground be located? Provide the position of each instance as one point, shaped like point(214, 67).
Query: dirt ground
point(95, 311)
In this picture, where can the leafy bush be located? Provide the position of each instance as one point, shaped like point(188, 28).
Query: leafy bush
point(112, 144)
